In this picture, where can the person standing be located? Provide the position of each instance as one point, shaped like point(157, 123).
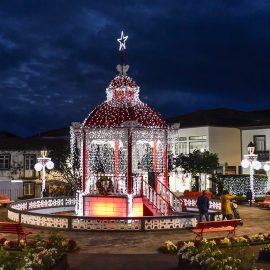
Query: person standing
point(203, 206)
point(249, 197)
point(226, 208)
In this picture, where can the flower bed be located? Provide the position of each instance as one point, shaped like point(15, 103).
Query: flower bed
point(220, 253)
point(36, 254)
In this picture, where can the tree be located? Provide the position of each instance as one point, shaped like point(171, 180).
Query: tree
point(197, 163)
point(69, 171)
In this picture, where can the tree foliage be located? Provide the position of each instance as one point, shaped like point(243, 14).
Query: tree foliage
point(197, 162)
point(70, 172)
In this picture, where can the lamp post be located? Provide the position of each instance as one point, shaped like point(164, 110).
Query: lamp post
point(43, 163)
point(250, 160)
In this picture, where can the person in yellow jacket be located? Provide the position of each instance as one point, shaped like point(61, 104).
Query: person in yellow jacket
point(226, 205)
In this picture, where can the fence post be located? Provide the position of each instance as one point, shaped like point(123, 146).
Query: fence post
point(70, 223)
point(142, 224)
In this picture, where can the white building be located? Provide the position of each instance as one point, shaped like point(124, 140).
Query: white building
point(18, 157)
point(260, 136)
point(222, 131)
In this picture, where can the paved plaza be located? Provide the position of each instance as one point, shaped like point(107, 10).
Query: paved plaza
point(98, 249)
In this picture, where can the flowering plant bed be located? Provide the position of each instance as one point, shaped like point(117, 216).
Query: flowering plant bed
point(37, 254)
point(209, 256)
point(256, 239)
point(234, 253)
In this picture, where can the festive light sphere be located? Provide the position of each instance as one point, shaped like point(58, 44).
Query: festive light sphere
point(245, 163)
point(266, 167)
point(49, 165)
point(38, 167)
point(256, 165)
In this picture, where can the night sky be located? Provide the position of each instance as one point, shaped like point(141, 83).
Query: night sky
point(58, 57)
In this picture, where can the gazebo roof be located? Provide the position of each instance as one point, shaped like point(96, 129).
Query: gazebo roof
point(122, 105)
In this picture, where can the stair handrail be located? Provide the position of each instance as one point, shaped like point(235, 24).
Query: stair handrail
point(156, 199)
point(177, 204)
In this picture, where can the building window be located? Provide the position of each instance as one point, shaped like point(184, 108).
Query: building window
point(176, 149)
point(5, 162)
point(29, 162)
point(197, 143)
point(183, 148)
point(259, 141)
point(29, 189)
point(197, 138)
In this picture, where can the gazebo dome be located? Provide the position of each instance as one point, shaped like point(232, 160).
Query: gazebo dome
point(122, 105)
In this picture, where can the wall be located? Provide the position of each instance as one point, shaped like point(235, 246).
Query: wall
point(17, 157)
point(226, 142)
point(247, 137)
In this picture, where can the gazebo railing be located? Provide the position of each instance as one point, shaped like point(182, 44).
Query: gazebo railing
point(155, 199)
point(175, 202)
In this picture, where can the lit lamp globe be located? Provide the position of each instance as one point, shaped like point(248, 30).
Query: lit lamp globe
point(256, 165)
point(245, 163)
point(38, 167)
point(49, 165)
point(266, 167)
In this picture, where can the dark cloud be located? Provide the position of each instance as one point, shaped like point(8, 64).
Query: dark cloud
point(57, 57)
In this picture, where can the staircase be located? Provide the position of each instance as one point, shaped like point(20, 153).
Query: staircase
point(154, 201)
point(176, 204)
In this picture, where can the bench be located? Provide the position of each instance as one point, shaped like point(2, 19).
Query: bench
point(265, 203)
point(14, 228)
point(216, 226)
point(4, 199)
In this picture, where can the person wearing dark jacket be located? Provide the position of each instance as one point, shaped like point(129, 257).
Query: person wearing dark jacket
point(249, 197)
point(203, 206)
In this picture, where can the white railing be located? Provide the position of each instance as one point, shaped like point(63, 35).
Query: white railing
point(191, 202)
point(175, 202)
point(155, 199)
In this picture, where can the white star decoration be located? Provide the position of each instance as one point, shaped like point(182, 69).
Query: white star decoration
point(122, 41)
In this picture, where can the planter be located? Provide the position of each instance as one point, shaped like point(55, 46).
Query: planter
point(264, 256)
point(183, 264)
point(61, 264)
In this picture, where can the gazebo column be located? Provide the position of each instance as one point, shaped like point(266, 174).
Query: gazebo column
point(116, 164)
point(85, 161)
point(165, 166)
point(165, 160)
point(155, 163)
point(129, 169)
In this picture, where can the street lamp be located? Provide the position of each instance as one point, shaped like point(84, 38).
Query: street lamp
point(250, 160)
point(43, 162)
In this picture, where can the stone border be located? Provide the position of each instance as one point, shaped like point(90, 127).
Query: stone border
point(20, 211)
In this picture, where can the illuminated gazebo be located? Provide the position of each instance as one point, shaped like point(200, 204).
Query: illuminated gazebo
point(122, 146)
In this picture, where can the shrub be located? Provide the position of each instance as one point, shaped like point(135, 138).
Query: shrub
point(259, 199)
point(240, 199)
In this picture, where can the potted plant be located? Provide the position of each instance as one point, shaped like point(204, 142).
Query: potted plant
point(264, 254)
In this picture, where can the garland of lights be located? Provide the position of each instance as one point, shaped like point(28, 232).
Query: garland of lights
point(104, 185)
point(239, 184)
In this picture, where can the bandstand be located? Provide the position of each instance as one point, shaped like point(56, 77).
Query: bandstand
point(122, 146)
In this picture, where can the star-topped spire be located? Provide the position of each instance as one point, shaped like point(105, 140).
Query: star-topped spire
point(122, 41)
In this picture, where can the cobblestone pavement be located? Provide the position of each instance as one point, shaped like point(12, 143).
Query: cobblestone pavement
point(255, 220)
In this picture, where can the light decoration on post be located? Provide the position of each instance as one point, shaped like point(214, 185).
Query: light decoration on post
point(250, 161)
point(43, 163)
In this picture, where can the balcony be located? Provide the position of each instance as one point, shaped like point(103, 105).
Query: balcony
point(262, 155)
